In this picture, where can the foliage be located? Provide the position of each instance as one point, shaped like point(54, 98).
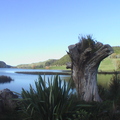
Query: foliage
point(102, 92)
point(36, 65)
point(54, 67)
point(107, 65)
point(5, 79)
point(62, 61)
point(81, 115)
point(50, 62)
point(87, 42)
point(109, 109)
point(112, 98)
point(114, 88)
point(13, 115)
point(116, 49)
point(52, 100)
point(66, 58)
point(47, 64)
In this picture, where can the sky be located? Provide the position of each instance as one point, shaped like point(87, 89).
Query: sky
point(37, 30)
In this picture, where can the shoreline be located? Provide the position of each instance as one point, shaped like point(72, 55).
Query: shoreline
point(62, 73)
point(45, 73)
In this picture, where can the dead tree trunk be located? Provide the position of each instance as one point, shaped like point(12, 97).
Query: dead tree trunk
point(86, 57)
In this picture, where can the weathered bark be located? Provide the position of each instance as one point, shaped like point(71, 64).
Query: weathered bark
point(86, 57)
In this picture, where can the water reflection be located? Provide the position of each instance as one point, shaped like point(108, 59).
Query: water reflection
point(24, 80)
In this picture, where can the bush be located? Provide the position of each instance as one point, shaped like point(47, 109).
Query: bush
point(51, 100)
point(5, 79)
point(114, 88)
point(54, 99)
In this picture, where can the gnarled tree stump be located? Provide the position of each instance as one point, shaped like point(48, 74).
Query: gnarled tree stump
point(85, 59)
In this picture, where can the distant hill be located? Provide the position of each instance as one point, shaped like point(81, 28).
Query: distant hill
point(4, 65)
point(50, 62)
point(116, 49)
point(59, 62)
point(37, 65)
point(62, 61)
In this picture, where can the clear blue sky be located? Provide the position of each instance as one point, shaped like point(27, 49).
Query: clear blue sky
point(38, 30)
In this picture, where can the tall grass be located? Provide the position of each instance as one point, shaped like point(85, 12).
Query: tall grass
point(114, 88)
point(53, 99)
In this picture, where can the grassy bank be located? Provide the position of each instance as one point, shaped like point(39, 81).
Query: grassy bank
point(104, 80)
point(63, 67)
point(107, 64)
point(46, 73)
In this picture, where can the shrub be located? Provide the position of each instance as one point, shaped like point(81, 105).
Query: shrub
point(52, 99)
point(5, 79)
point(114, 88)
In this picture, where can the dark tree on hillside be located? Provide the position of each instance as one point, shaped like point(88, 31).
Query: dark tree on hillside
point(85, 59)
point(47, 64)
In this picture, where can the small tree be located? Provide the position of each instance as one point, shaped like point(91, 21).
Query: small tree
point(86, 57)
point(47, 64)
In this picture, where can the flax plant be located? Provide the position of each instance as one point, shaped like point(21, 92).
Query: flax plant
point(52, 99)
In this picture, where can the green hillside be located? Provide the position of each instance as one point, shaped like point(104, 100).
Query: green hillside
point(108, 64)
point(116, 49)
point(62, 61)
point(40, 65)
point(51, 63)
point(111, 63)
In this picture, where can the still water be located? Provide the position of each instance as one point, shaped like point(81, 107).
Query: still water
point(23, 80)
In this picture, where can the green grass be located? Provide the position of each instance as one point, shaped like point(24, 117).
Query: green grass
point(56, 103)
point(116, 49)
point(104, 80)
point(51, 100)
point(107, 65)
point(63, 67)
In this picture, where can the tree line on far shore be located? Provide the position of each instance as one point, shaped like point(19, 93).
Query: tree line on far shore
point(65, 59)
point(50, 62)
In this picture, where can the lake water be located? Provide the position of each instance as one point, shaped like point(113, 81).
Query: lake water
point(23, 80)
